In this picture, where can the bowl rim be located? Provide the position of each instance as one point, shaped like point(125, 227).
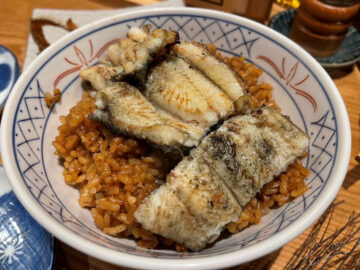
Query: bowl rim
point(211, 262)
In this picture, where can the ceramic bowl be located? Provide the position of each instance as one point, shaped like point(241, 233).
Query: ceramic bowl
point(9, 72)
point(24, 244)
point(302, 89)
point(22, 239)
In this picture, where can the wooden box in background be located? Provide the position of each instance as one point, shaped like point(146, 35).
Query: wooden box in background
point(254, 9)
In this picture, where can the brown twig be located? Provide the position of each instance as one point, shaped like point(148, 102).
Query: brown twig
point(321, 251)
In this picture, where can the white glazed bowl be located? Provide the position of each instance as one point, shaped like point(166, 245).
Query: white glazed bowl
point(302, 89)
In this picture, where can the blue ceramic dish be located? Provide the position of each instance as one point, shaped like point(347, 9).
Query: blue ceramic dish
point(24, 244)
point(348, 53)
point(9, 72)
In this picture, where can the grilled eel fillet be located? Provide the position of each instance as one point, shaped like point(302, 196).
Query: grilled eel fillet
point(124, 109)
point(195, 85)
point(209, 188)
point(187, 89)
point(215, 69)
point(128, 56)
point(182, 90)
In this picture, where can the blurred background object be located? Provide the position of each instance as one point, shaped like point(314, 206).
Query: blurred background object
point(340, 3)
point(289, 3)
point(321, 26)
point(337, 65)
point(257, 10)
point(357, 21)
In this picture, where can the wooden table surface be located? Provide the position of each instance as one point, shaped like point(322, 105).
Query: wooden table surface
point(14, 30)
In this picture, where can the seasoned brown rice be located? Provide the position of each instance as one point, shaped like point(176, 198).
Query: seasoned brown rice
point(51, 99)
